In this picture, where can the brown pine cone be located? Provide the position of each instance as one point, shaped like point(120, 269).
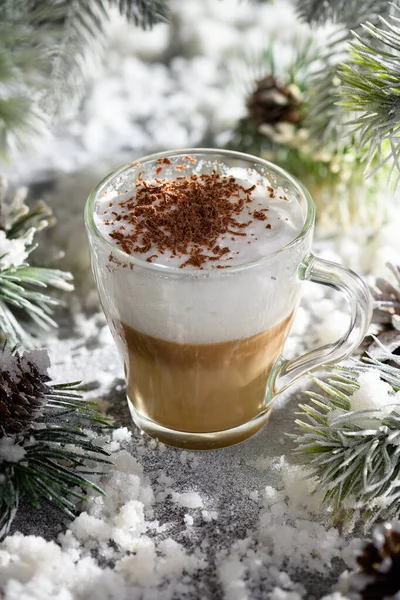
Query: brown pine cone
point(387, 300)
point(379, 561)
point(272, 103)
point(23, 392)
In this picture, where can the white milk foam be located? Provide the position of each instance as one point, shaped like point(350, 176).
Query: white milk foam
point(209, 305)
point(284, 217)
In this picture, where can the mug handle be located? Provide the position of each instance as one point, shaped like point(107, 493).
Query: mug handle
point(358, 296)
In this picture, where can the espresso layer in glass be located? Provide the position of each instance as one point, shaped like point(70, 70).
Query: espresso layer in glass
point(200, 387)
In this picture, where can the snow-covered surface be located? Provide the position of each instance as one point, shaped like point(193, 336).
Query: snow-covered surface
point(233, 524)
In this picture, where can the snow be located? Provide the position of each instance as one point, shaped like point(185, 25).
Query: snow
point(278, 594)
point(124, 529)
point(14, 252)
point(39, 357)
point(231, 573)
point(10, 450)
point(373, 393)
point(188, 520)
point(188, 499)
point(16, 363)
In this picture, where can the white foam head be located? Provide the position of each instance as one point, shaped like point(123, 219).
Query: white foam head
point(210, 305)
point(283, 222)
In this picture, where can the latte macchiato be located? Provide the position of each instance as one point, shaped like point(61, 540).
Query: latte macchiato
point(199, 332)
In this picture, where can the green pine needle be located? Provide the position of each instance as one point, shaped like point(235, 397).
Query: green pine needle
point(24, 290)
point(319, 153)
point(19, 296)
point(319, 12)
point(60, 457)
point(353, 455)
point(371, 87)
point(326, 119)
point(44, 50)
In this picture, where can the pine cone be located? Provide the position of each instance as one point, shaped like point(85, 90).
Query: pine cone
point(23, 392)
point(385, 318)
point(272, 103)
point(387, 300)
point(379, 561)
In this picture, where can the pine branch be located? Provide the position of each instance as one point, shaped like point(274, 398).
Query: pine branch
point(326, 119)
point(353, 454)
point(278, 127)
point(319, 12)
point(371, 80)
point(24, 297)
point(44, 51)
point(144, 13)
point(51, 454)
point(17, 291)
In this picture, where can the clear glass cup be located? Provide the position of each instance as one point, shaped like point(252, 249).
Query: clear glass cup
point(202, 348)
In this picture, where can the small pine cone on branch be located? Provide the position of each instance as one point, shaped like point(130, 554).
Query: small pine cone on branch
point(378, 577)
point(387, 300)
point(23, 390)
point(385, 318)
point(272, 103)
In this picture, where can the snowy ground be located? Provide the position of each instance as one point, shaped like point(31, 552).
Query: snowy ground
point(233, 524)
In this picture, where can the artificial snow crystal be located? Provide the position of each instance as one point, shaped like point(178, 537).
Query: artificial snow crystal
point(14, 252)
point(373, 392)
point(39, 357)
point(122, 434)
point(335, 596)
point(188, 499)
point(278, 594)
point(231, 574)
point(10, 450)
point(209, 515)
point(188, 520)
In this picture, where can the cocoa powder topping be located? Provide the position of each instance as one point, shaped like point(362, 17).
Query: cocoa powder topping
point(257, 214)
point(184, 216)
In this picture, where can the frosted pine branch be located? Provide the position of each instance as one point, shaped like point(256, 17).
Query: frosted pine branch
point(326, 119)
point(345, 12)
point(24, 290)
point(350, 438)
point(44, 53)
point(371, 82)
point(45, 452)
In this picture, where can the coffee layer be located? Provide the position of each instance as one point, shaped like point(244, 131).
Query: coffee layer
point(200, 387)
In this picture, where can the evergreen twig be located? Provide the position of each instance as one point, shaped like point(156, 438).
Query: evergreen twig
point(44, 50)
point(17, 292)
point(371, 79)
point(58, 453)
point(319, 12)
point(353, 454)
point(326, 119)
point(24, 289)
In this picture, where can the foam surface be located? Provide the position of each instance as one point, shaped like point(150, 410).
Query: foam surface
point(283, 216)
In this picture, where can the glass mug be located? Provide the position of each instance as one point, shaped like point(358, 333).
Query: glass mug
point(202, 348)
